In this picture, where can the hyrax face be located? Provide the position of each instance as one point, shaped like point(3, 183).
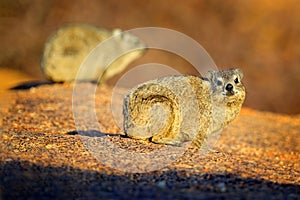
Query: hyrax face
point(226, 85)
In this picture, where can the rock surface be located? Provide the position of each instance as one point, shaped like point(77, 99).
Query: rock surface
point(43, 156)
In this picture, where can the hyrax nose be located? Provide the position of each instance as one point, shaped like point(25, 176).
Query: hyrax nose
point(229, 87)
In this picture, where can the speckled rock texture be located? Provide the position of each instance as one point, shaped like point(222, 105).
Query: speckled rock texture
point(43, 156)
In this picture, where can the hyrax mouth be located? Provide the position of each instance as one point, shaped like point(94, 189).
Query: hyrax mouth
point(230, 93)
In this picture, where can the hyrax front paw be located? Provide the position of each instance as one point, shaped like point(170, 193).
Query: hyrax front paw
point(166, 141)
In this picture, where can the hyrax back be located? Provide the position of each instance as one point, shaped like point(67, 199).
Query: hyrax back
point(179, 108)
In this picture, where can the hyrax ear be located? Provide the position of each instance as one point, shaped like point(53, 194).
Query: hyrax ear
point(117, 33)
point(210, 74)
point(239, 72)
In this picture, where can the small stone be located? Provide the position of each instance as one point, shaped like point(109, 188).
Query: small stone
point(221, 187)
point(8, 160)
point(49, 146)
point(161, 184)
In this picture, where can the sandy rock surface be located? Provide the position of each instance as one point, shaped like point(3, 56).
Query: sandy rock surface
point(44, 154)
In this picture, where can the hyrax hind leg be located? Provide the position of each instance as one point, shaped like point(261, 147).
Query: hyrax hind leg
point(173, 137)
point(138, 133)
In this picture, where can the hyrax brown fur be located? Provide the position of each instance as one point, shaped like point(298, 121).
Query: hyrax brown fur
point(180, 108)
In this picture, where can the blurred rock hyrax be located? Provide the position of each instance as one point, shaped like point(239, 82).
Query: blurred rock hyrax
point(181, 108)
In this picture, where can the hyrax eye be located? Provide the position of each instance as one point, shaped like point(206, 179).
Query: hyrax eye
point(236, 81)
point(219, 83)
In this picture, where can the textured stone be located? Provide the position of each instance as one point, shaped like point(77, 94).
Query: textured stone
point(258, 155)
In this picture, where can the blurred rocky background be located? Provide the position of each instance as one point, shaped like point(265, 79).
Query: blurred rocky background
point(260, 36)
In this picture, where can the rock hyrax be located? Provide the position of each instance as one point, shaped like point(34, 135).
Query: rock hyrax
point(180, 108)
point(100, 53)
